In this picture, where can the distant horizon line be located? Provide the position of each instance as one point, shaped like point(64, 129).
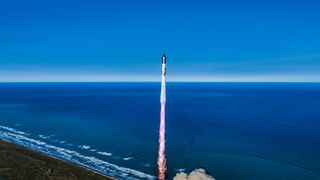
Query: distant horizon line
point(159, 81)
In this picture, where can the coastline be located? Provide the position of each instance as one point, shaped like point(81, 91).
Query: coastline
point(18, 162)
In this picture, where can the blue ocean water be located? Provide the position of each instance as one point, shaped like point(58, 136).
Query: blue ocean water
point(233, 130)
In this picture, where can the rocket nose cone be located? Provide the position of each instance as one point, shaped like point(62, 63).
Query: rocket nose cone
point(164, 59)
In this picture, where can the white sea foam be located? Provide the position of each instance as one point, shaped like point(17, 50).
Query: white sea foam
point(127, 158)
point(84, 147)
point(45, 137)
point(94, 163)
point(105, 153)
point(180, 169)
point(13, 130)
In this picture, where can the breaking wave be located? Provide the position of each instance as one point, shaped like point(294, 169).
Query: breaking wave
point(105, 153)
point(13, 130)
point(84, 147)
point(90, 162)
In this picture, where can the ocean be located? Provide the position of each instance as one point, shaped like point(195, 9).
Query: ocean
point(244, 131)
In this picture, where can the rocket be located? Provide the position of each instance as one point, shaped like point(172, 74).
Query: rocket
point(162, 167)
point(164, 64)
point(163, 79)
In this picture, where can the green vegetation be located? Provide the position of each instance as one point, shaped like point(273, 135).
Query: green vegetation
point(17, 162)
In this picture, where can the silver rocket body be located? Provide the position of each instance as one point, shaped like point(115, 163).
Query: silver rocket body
point(163, 79)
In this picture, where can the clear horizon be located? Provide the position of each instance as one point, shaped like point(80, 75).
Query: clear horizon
point(272, 41)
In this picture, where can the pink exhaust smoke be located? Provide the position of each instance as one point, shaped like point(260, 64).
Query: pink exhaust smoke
point(161, 154)
point(162, 167)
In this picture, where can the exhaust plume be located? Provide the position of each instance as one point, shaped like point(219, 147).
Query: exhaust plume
point(162, 167)
point(197, 174)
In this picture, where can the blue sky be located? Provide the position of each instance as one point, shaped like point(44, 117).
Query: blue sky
point(120, 40)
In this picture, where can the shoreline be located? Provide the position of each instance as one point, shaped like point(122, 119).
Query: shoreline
point(18, 162)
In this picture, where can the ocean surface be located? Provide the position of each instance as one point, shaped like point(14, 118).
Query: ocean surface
point(243, 131)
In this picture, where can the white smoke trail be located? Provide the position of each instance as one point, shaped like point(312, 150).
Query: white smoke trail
point(161, 154)
point(197, 174)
